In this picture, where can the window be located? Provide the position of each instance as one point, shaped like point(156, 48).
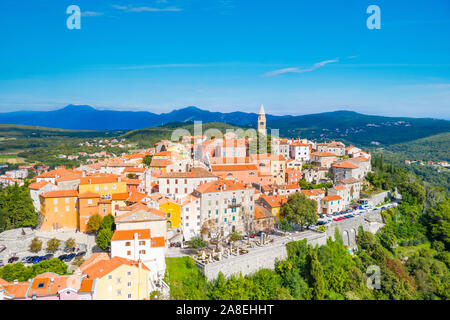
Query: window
point(129, 296)
point(176, 181)
point(114, 187)
point(110, 277)
point(128, 243)
point(56, 209)
point(129, 273)
point(97, 188)
point(128, 253)
point(141, 251)
point(90, 201)
point(142, 243)
point(119, 292)
point(67, 200)
point(55, 201)
point(118, 280)
point(129, 284)
point(40, 285)
point(67, 208)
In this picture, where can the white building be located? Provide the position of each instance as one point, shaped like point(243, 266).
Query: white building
point(178, 185)
point(300, 151)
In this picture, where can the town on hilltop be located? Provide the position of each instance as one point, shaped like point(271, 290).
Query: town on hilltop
point(127, 213)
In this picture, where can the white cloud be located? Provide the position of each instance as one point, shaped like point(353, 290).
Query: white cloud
point(298, 70)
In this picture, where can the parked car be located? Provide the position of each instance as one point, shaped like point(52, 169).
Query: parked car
point(376, 209)
point(82, 253)
point(321, 223)
point(70, 257)
point(47, 256)
point(13, 259)
point(37, 259)
point(1, 263)
point(252, 235)
point(25, 259)
point(62, 257)
point(321, 216)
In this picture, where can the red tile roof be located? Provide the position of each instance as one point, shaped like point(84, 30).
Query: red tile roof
point(37, 185)
point(344, 164)
point(60, 193)
point(120, 235)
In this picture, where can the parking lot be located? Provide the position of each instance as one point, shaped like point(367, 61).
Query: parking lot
point(325, 219)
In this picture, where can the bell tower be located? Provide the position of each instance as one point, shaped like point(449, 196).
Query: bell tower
point(262, 121)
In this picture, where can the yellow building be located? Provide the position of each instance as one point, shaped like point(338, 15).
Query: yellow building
point(60, 210)
point(273, 203)
point(105, 185)
point(119, 279)
point(170, 207)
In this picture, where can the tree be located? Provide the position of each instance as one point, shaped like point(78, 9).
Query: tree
point(95, 222)
point(103, 239)
point(53, 244)
point(315, 276)
point(197, 243)
point(108, 222)
point(17, 209)
point(36, 245)
point(300, 209)
point(234, 236)
point(147, 160)
point(70, 243)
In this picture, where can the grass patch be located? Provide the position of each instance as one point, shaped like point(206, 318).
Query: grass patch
point(408, 251)
point(186, 281)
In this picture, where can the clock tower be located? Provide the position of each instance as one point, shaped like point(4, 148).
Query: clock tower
point(262, 121)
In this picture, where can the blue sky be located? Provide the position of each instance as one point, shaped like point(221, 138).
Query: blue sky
point(295, 57)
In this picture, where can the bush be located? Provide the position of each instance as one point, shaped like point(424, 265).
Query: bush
point(53, 244)
point(36, 245)
point(197, 243)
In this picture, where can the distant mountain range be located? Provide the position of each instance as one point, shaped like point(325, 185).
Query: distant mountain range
point(343, 125)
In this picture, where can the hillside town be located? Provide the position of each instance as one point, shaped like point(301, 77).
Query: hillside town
point(163, 197)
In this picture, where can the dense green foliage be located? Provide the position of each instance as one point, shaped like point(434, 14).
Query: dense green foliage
point(411, 252)
point(18, 271)
point(300, 210)
point(105, 232)
point(16, 208)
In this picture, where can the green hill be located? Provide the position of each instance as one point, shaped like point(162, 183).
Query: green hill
point(149, 136)
point(435, 148)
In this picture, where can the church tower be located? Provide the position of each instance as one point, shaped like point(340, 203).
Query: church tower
point(262, 121)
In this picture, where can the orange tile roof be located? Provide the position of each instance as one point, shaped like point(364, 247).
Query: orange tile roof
point(339, 188)
point(18, 290)
point(221, 185)
point(160, 162)
point(128, 169)
point(120, 196)
point(133, 181)
point(69, 177)
point(275, 201)
point(60, 172)
point(194, 173)
point(233, 167)
point(157, 242)
point(120, 235)
point(104, 267)
point(330, 198)
point(87, 285)
point(136, 197)
point(344, 164)
point(98, 179)
point(323, 154)
point(60, 193)
point(37, 185)
point(258, 213)
point(88, 194)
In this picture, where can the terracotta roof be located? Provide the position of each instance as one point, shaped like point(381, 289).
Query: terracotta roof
point(194, 173)
point(323, 154)
point(330, 198)
point(60, 193)
point(120, 235)
point(348, 181)
point(49, 283)
point(37, 185)
point(157, 242)
point(18, 290)
point(339, 188)
point(344, 164)
point(104, 267)
point(221, 185)
point(160, 162)
point(57, 173)
point(128, 169)
point(69, 177)
point(233, 167)
point(275, 201)
point(120, 196)
point(88, 194)
point(87, 285)
point(107, 178)
point(133, 181)
point(136, 197)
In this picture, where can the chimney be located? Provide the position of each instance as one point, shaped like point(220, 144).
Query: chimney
point(52, 280)
point(16, 281)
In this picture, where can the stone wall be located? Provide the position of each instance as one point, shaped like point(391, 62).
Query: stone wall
point(266, 256)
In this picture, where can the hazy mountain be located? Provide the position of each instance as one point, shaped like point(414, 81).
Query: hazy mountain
point(342, 125)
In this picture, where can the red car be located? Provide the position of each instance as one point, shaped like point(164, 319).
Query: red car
point(252, 235)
